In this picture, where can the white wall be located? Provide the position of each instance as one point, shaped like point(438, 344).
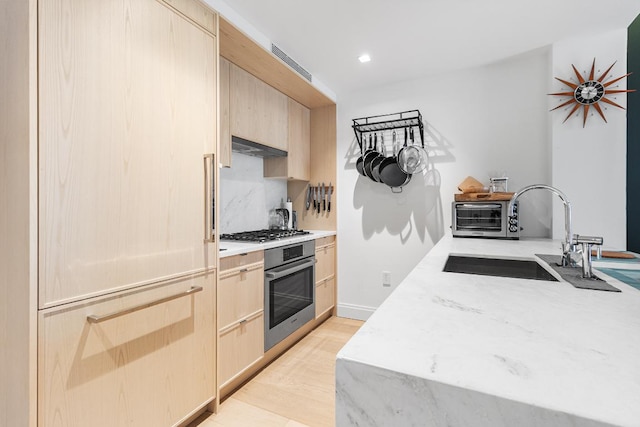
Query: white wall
point(478, 121)
point(589, 164)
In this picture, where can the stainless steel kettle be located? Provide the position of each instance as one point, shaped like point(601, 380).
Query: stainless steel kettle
point(279, 219)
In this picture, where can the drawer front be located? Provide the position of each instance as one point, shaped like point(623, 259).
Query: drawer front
point(326, 261)
point(241, 345)
point(323, 241)
point(325, 296)
point(231, 262)
point(240, 293)
point(148, 365)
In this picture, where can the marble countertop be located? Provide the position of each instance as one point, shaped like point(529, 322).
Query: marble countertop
point(481, 350)
point(231, 248)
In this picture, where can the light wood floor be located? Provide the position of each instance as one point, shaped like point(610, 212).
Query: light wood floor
point(296, 390)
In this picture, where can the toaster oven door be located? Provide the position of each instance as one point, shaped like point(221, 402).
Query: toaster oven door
point(485, 219)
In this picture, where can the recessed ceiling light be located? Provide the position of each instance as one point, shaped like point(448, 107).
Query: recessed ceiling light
point(364, 58)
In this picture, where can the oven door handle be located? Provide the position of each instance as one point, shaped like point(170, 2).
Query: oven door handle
point(476, 206)
point(291, 268)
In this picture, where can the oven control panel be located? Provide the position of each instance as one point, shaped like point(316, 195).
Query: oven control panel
point(292, 252)
point(288, 253)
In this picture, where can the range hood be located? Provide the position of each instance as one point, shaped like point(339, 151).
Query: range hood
point(255, 149)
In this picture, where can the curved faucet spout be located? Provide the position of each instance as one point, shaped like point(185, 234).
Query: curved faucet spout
point(568, 236)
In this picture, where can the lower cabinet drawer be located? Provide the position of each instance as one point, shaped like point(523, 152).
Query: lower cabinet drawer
point(240, 293)
point(241, 345)
point(140, 358)
point(325, 295)
point(326, 264)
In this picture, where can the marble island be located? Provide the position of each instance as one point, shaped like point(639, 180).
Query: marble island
point(449, 349)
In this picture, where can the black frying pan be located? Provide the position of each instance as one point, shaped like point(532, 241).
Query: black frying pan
point(390, 172)
point(360, 161)
point(375, 163)
point(369, 156)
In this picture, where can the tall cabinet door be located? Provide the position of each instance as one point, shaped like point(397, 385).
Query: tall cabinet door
point(127, 107)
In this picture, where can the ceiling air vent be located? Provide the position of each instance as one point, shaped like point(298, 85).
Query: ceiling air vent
point(293, 64)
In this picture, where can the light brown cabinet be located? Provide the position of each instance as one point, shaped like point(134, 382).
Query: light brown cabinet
point(325, 274)
point(224, 152)
point(258, 112)
point(145, 363)
point(127, 103)
point(240, 315)
point(126, 107)
point(296, 165)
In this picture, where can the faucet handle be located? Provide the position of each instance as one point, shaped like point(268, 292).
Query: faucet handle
point(591, 240)
point(587, 242)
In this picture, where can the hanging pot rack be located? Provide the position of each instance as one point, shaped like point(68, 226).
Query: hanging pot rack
point(404, 119)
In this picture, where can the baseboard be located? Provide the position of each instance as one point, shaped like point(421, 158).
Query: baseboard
point(352, 311)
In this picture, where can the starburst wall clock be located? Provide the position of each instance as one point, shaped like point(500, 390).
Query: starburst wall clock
point(590, 92)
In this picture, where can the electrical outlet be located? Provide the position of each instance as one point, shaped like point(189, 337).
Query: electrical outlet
point(386, 278)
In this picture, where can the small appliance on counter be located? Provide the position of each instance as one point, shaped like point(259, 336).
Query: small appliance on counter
point(482, 211)
point(278, 219)
point(484, 215)
point(282, 218)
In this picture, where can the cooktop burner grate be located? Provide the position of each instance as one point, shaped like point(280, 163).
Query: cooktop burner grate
point(261, 236)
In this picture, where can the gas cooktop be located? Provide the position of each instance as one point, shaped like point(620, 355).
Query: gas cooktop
point(261, 236)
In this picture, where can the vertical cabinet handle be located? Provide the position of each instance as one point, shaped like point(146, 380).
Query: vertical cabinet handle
point(209, 198)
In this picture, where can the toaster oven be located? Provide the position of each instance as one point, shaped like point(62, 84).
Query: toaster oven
point(485, 218)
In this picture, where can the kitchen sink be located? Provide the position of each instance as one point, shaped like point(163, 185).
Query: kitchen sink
point(501, 267)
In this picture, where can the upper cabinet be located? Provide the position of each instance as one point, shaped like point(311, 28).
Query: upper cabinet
point(258, 112)
point(253, 110)
point(296, 165)
point(127, 107)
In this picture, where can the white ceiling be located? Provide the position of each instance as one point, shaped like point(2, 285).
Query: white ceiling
point(411, 38)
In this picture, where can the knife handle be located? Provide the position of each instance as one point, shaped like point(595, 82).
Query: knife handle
point(329, 206)
point(324, 204)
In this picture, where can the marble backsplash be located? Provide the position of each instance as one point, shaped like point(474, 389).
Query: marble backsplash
point(245, 196)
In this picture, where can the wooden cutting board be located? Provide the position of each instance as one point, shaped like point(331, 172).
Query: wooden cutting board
point(470, 185)
point(615, 254)
point(478, 197)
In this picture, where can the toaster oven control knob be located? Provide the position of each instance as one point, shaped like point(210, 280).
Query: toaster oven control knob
point(513, 228)
point(513, 221)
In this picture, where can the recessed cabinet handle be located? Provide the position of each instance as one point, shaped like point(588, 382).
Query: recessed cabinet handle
point(97, 319)
point(242, 322)
point(244, 270)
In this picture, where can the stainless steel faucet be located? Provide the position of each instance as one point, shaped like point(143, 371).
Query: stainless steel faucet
point(587, 243)
point(568, 246)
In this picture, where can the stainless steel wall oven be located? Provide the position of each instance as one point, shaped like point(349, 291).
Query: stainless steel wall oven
point(289, 290)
